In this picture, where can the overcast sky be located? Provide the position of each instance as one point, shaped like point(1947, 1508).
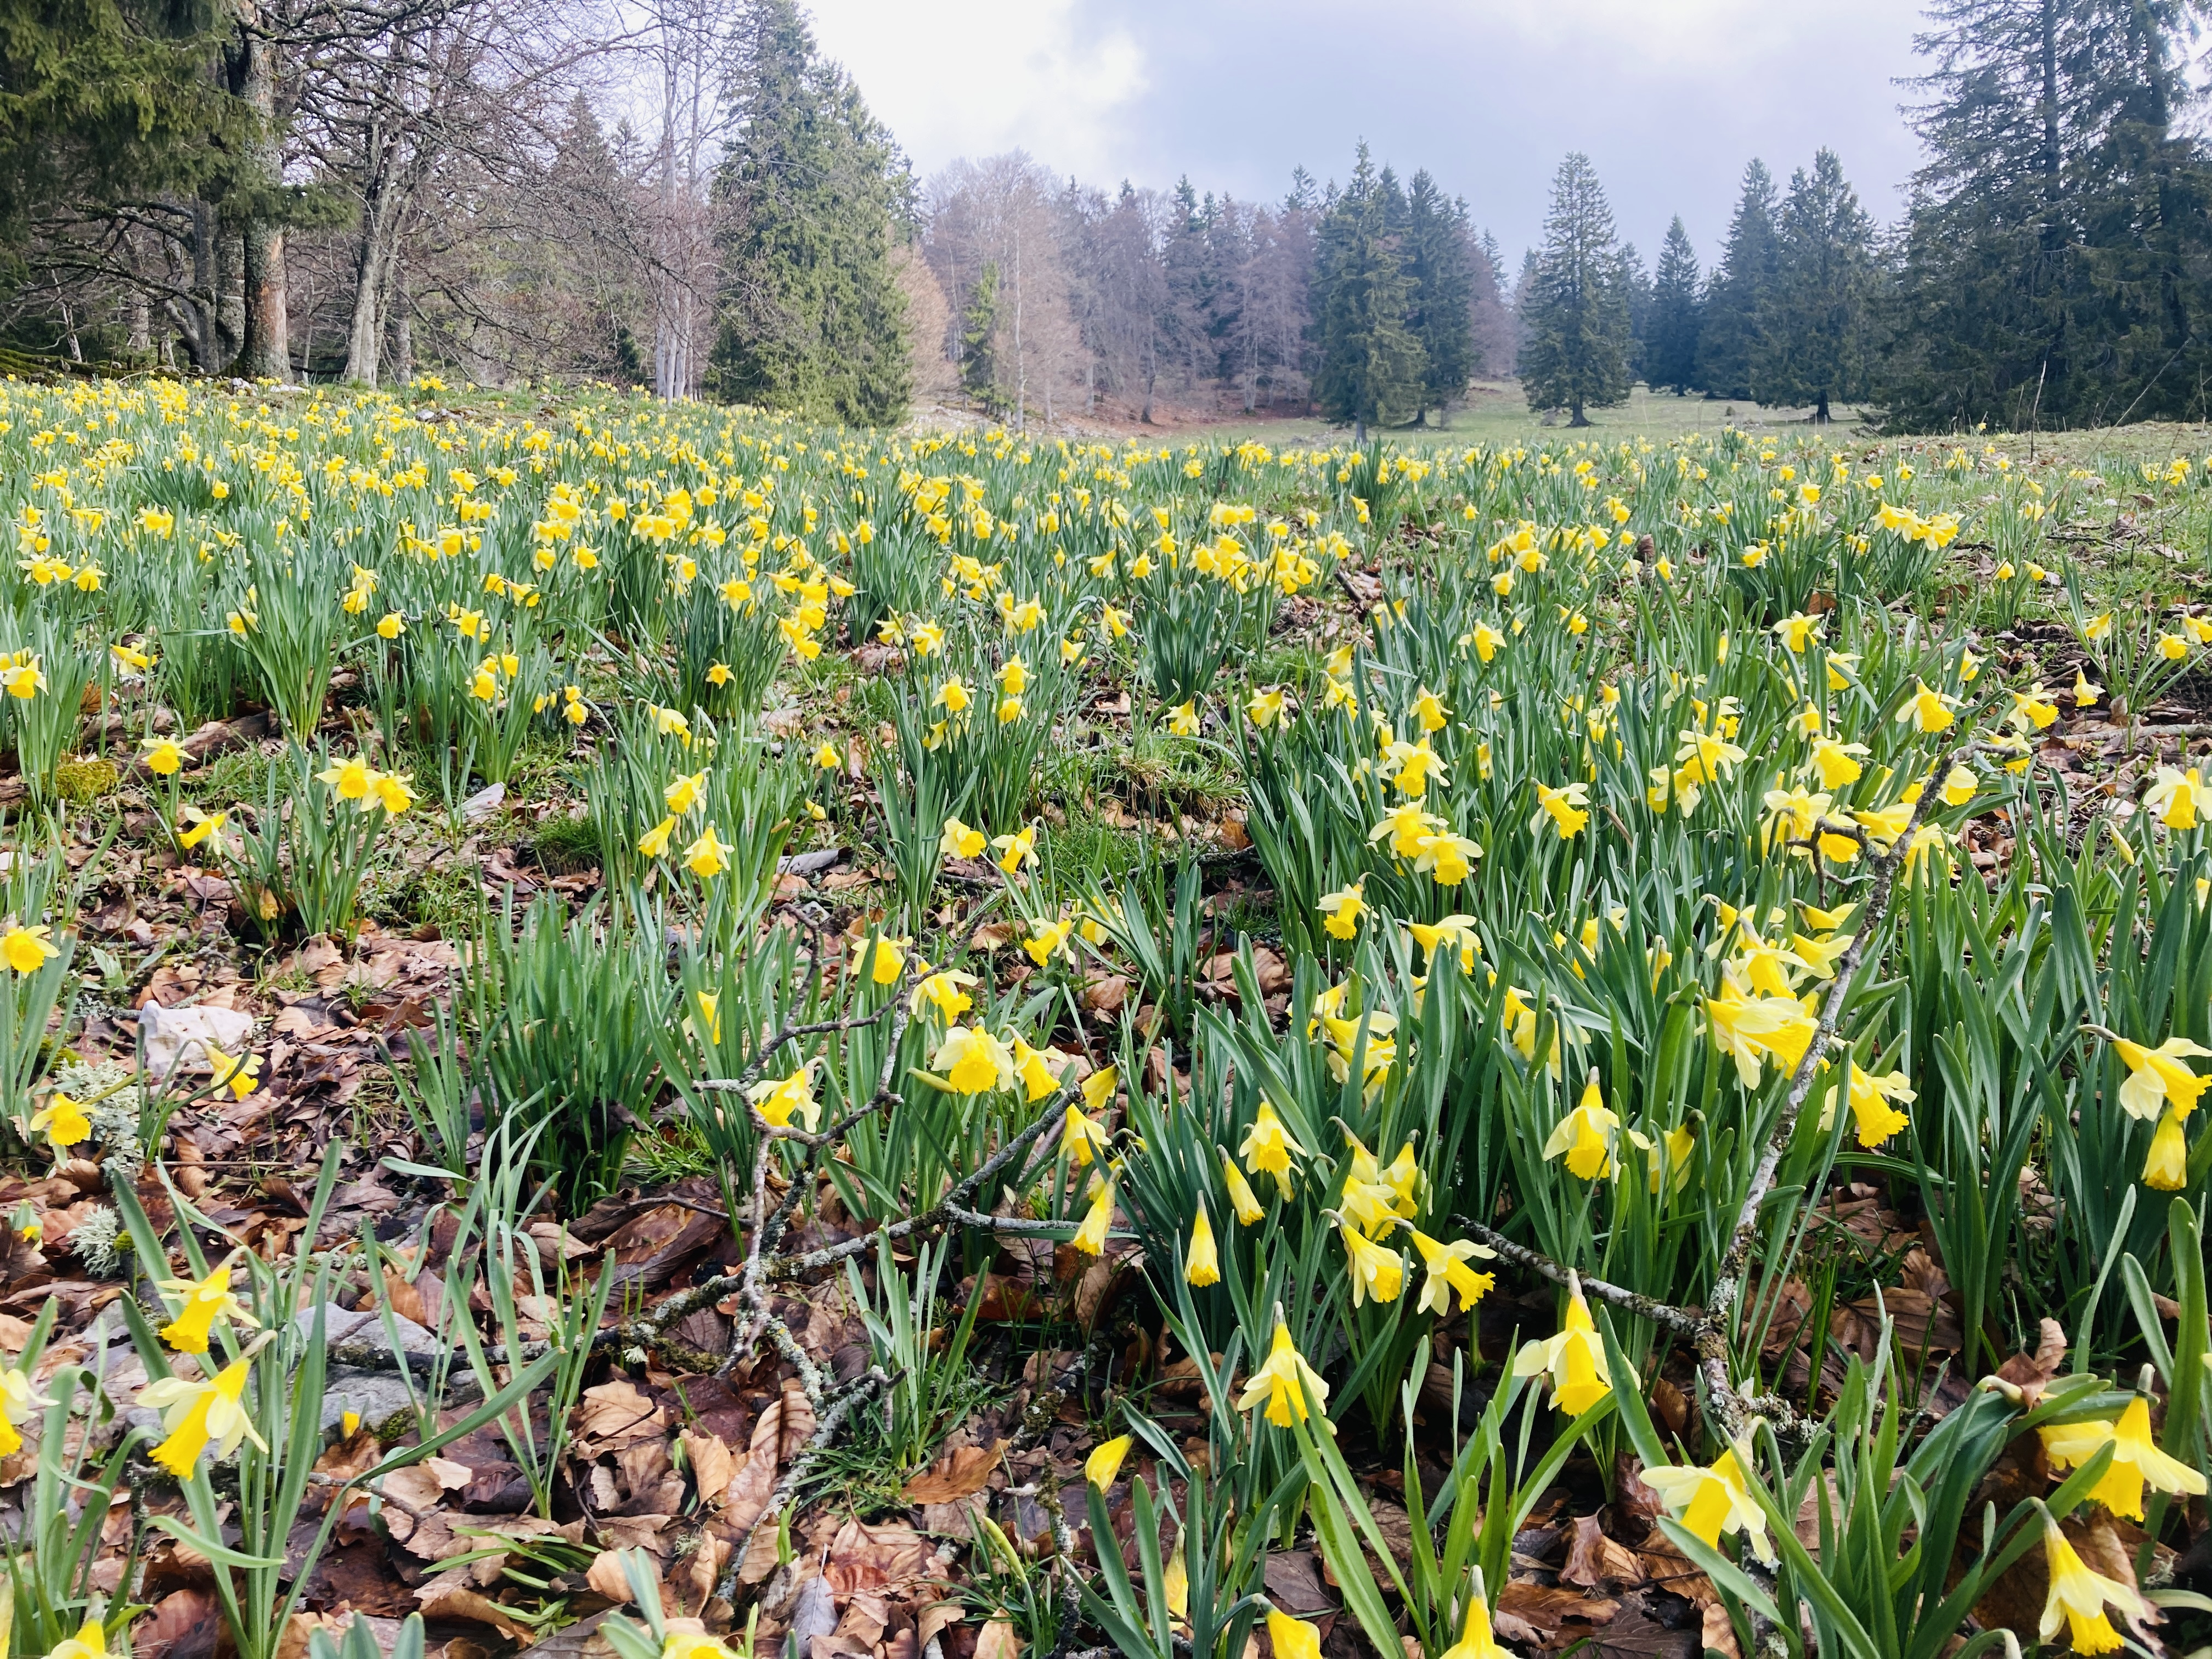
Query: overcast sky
point(1669, 98)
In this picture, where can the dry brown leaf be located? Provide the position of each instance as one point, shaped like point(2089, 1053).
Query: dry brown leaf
point(616, 1415)
point(712, 1464)
point(745, 1499)
point(450, 1596)
point(960, 1473)
point(934, 1620)
point(1549, 1616)
point(184, 1625)
point(1593, 1559)
point(607, 1577)
point(862, 1557)
point(404, 1299)
point(999, 1640)
point(1718, 1634)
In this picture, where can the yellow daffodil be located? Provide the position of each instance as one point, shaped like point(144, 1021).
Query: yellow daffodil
point(207, 1303)
point(974, 1061)
point(882, 959)
point(778, 1100)
point(707, 857)
point(2137, 1461)
point(1091, 1236)
point(1105, 1460)
point(194, 1415)
point(1268, 1148)
point(1202, 1260)
point(239, 1073)
point(1278, 1379)
point(959, 841)
point(2078, 1597)
point(27, 950)
point(62, 1121)
point(1586, 1135)
point(1567, 806)
point(2157, 1079)
point(1574, 1361)
point(1712, 1501)
point(1015, 849)
point(1241, 1198)
point(1448, 1272)
point(1375, 1272)
point(164, 756)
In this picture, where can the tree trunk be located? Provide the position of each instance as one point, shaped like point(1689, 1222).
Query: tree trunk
point(266, 353)
point(1359, 432)
point(372, 262)
point(400, 324)
point(1821, 409)
point(205, 340)
point(1580, 419)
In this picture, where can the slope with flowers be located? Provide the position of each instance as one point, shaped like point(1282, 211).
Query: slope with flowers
point(644, 1028)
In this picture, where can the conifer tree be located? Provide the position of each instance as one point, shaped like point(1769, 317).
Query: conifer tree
point(1812, 344)
point(979, 329)
point(811, 314)
point(1440, 271)
point(2057, 251)
point(1671, 343)
point(1369, 364)
point(1574, 355)
point(1739, 290)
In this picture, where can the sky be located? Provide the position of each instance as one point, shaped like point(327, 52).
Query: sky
point(1668, 98)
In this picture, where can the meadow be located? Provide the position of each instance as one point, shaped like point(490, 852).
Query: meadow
point(643, 1029)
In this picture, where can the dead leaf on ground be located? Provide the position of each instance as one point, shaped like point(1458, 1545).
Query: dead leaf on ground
point(450, 1596)
point(960, 1473)
point(999, 1640)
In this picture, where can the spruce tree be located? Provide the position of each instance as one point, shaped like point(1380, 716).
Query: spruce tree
point(1440, 271)
point(814, 193)
point(1370, 365)
point(1671, 343)
point(1575, 353)
point(1635, 284)
point(2056, 244)
point(979, 331)
point(1739, 290)
point(1815, 325)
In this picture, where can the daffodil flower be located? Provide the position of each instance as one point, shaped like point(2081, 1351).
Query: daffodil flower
point(27, 950)
point(1202, 1260)
point(196, 1415)
point(2078, 1597)
point(2137, 1461)
point(1713, 1500)
point(1574, 1361)
point(778, 1100)
point(1105, 1460)
point(959, 841)
point(1448, 1272)
point(1268, 1148)
point(1241, 1198)
point(1586, 1135)
point(974, 1061)
point(1283, 1380)
point(208, 1302)
point(1091, 1236)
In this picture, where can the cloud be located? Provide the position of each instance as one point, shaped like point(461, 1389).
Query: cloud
point(1669, 98)
point(983, 76)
